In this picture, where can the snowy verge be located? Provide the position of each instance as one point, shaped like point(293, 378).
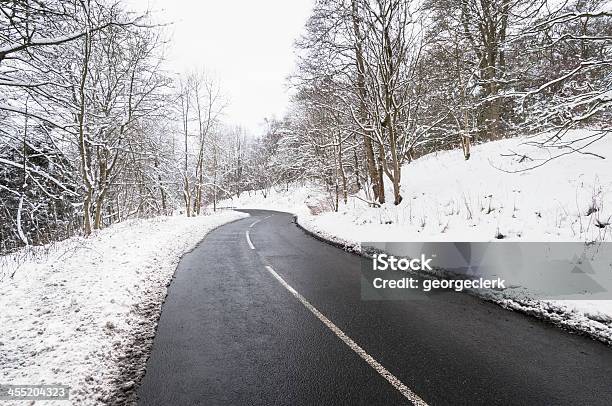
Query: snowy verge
point(84, 314)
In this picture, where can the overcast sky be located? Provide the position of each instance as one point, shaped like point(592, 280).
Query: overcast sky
point(248, 45)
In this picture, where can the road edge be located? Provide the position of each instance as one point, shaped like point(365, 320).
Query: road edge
point(132, 368)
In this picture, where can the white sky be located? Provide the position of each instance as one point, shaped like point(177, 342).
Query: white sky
point(247, 45)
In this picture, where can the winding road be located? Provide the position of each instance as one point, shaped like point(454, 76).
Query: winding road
point(260, 313)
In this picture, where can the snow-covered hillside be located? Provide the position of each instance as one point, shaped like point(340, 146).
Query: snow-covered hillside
point(447, 198)
point(83, 312)
point(490, 197)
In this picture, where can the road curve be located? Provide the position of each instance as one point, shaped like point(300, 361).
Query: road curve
point(260, 313)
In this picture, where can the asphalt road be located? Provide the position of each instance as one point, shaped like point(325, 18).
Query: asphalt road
point(283, 323)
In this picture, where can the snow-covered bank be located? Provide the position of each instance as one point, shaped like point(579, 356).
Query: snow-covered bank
point(488, 198)
point(84, 314)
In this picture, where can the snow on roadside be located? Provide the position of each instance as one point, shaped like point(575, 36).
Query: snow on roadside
point(296, 199)
point(487, 198)
point(84, 314)
point(447, 198)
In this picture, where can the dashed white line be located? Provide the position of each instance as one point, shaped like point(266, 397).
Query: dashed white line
point(392, 379)
point(255, 222)
point(248, 238)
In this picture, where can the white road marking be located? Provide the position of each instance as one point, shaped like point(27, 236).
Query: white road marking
point(249, 240)
point(392, 379)
point(255, 222)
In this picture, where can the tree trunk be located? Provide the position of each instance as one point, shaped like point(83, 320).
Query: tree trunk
point(84, 151)
point(375, 176)
point(98, 213)
point(341, 170)
point(357, 180)
point(187, 196)
point(87, 212)
point(380, 174)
